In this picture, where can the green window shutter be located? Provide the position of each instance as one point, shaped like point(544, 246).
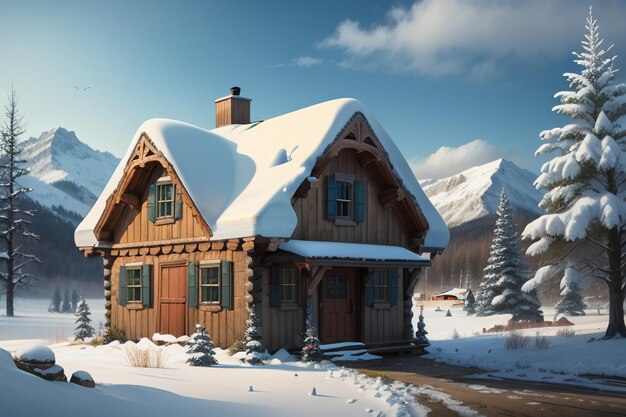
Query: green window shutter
point(331, 197)
point(393, 287)
point(146, 286)
point(274, 286)
point(359, 213)
point(226, 269)
point(178, 205)
point(369, 290)
point(122, 295)
point(152, 203)
point(192, 285)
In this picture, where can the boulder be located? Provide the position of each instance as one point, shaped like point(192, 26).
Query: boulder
point(53, 373)
point(83, 378)
point(35, 354)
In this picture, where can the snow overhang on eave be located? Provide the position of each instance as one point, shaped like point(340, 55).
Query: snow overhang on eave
point(354, 254)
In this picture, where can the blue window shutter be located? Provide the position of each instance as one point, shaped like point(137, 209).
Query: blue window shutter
point(122, 294)
point(393, 286)
point(152, 203)
point(331, 197)
point(359, 214)
point(192, 285)
point(369, 290)
point(178, 205)
point(226, 269)
point(146, 286)
point(274, 286)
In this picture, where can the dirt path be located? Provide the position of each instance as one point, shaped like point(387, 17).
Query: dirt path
point(493, 397)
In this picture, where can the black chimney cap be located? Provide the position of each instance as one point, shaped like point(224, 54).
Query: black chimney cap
point(235, 91)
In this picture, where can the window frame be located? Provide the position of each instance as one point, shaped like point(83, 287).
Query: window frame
point(132, 288)
point(158, 201)
point(294, 286)
point(383, 274)
point(210, 265)
point(349, 201)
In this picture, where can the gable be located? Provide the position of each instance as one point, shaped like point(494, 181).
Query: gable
point(125, 219)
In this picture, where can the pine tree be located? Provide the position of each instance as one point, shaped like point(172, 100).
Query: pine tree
point(500, 291)
point(83, 326)
point(67, 305)
point(469, 306)
point(14, 221)
point(586, 179)
point(75, 299)
point(55, 303)
point(311, 351)
point(255, 351)
point(571, 300)
point(420, 334)
point(201, 348)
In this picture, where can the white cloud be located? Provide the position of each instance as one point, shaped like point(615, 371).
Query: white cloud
point(447, 161)
point(307, 61)
point(470, 37)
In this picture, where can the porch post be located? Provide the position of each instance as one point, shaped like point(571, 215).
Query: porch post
point(408, 303)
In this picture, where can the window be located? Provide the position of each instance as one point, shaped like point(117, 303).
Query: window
point(165, 201)
point(133, 284)
point(344, 199)
point(210, 284)
point(381, 286)
point(288, 283)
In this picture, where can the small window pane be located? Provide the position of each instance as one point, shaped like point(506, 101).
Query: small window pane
point(133, 285)
point(381, 286)
point(165, 200)
point(344, 199)
point(210, 284)
point(288, 285)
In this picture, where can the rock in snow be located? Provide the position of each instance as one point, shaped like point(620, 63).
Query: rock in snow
point(83, 378)
point(35, 354)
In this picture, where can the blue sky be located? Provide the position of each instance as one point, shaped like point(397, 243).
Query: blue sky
point(475, 77)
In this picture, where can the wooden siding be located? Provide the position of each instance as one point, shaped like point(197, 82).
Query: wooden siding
point(224, 326)
point(383, 325)
point(382, 225)
point(133, 226)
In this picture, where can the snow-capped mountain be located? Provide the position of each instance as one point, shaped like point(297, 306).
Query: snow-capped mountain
point(473, 193)
point(65, 171)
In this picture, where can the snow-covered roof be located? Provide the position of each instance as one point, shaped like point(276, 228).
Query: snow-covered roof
point(360, 251)
point(456, 292)
point(242, 177)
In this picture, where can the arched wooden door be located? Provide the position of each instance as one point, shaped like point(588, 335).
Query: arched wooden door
point(173, 299)
point(339, 306)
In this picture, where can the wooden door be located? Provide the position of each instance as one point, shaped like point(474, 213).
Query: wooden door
point(173, 301)
point(339, 309)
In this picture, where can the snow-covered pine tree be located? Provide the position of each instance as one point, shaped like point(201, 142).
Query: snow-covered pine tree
point(255, 351)
point(469, 305)
point(66, 307)
point(14, 221)
point(586, 179)
point(75, 299)
point(83, 322)
point(201, 348)
point(571, 301)
point(311, 351)
point(500, 291)
point(420, 334)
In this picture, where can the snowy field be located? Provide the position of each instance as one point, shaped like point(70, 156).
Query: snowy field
point(566, 359)
point(32, 320)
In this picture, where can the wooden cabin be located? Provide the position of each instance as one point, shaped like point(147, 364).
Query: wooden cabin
point(314, 217)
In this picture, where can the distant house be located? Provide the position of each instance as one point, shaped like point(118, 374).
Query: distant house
point(453, 294)
point(313, 216)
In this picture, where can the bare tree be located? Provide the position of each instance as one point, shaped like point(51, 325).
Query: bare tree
point(13, 220)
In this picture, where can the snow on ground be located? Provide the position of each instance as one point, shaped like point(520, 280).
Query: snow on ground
point(32, 320)
point(278, 389)
point(566, 360)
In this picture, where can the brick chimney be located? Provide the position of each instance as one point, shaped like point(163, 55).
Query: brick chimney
point(232, 109)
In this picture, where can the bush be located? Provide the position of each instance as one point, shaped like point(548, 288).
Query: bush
point(541, 342)
point(151, 357)
point(515, 340)
point(116, 334)
point(236, 347)
point(566, 332)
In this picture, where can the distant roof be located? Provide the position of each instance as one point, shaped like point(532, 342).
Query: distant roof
point(457, 292)
point(242, 177)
